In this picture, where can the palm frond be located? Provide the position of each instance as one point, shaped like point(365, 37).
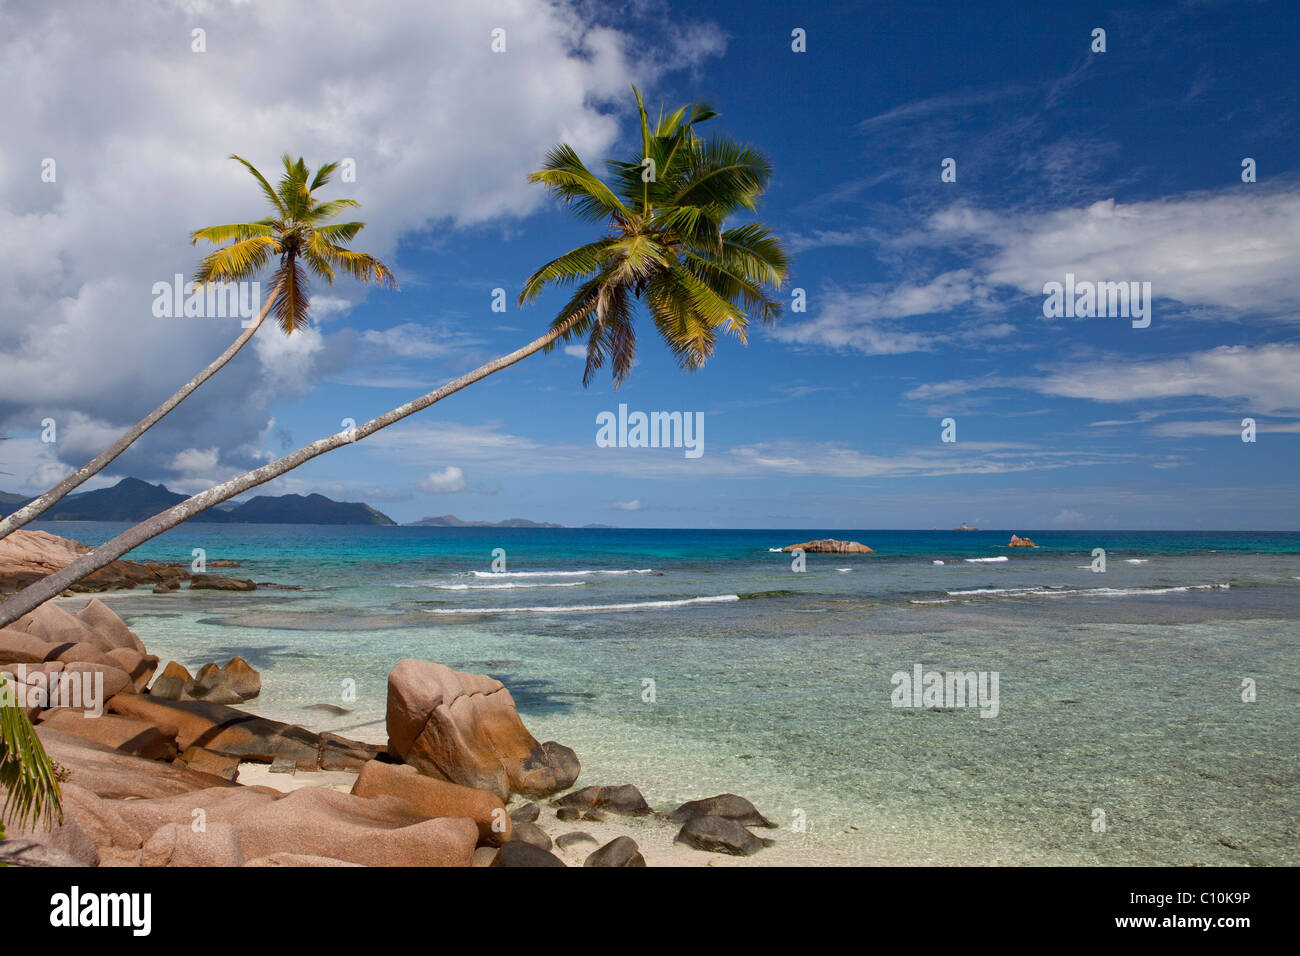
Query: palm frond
point(566, 269)
point(26, 772)
point(577, 187)
point(271, 196)
point(239, 260)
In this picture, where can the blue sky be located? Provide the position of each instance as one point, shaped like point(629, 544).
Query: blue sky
point(924, 298)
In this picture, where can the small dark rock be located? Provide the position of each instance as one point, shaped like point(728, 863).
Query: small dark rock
point(567, 814)
point(519, 853)
point(727, 805)
point(531, 833)
point(620, 851)
point(720, 835)
point(528, 813)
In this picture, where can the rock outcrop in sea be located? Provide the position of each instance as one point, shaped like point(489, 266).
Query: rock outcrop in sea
point(830, 546)
point(1019, 542)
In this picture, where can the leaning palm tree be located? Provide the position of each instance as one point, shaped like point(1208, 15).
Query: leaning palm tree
point(26, 773)
point(296, 234)
point(666, 242)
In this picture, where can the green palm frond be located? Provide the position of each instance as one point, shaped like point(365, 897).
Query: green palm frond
point(567, 269)
point(26, 772)
point(567, 178)
point(668, 244)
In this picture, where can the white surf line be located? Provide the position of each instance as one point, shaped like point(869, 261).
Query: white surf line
point(586, 608)
point(558, 574)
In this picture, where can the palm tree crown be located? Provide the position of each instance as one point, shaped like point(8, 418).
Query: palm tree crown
point(666, 243)
point(296, 233)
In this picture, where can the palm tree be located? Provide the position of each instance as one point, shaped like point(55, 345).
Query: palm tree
point(665, 243)
point(296, 234)
point(26, 772)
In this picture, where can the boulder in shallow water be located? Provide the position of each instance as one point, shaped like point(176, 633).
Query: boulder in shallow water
point(464, 728)
point(1019, 542)
point(720, 835)
point(727, 805)
point(625, 799)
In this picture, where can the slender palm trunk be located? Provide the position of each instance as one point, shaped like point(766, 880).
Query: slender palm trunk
point(33, 510)
point(41, 591)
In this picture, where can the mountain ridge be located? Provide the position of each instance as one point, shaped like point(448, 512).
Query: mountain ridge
point(133, 499)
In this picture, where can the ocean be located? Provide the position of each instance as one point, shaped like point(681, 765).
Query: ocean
point(1147, 714)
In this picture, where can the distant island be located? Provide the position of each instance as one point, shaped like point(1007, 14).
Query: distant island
point(134, 500)
point(965, 527)
point(451, 521)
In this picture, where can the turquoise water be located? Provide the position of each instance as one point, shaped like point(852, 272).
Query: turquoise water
point(1119, 692)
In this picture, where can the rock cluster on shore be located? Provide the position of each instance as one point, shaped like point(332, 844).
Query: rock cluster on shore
point(28, 556)
point(139, 775)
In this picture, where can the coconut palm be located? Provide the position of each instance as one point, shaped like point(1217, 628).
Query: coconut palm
point(297, 235)
point(666, 243)
point(26, 772)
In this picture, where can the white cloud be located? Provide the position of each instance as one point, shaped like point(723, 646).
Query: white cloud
point(1211, 255)
point(633, 505)
point(1256, 379)
point(442, 130)
point(1260, 379)
point(1235, 250)
point(865, 319)
point(412, 340)
point(446, 482)
point(1227, 427)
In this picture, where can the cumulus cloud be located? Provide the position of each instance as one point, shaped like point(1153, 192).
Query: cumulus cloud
point(446, 482)
point(633, 505)
point(139, 126)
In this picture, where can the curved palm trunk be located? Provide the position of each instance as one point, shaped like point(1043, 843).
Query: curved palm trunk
point(41, 591)
point(34, 509)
